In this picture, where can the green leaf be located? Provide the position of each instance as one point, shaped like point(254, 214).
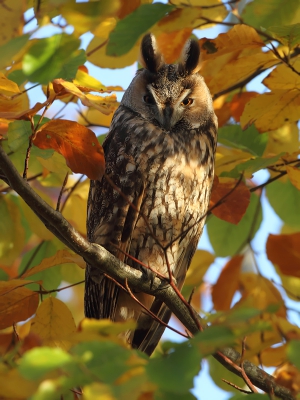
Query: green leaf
point(285, 200)
point(10, 49)
point(266, 13)
point(288, 35)
point(129, 29)
point(217, 373)
point(227, 239)
point(254, 396)
point(214, 338)
point(107, 360)
point(18, 134)
point(249, 140)
point(251, 166)
point(51, 277)
point(162, 395)
point(293, 352)
point(174, 372)
point(53, 57)
point(37, 362)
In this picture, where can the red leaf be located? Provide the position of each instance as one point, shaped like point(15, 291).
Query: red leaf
point(76, 143)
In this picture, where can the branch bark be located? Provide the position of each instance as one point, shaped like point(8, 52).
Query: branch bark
point(149, 283)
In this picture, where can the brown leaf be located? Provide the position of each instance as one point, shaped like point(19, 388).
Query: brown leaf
point(76, 143)
point(227, 284)
point(17, 303)
point(284, 251)
point(235, 205)
point(171, 43)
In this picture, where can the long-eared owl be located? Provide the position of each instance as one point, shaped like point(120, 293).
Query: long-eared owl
point(160, 155)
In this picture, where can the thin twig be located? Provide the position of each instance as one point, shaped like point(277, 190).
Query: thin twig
point(61, 191)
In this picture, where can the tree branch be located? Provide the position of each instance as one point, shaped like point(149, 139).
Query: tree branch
point(149, 283)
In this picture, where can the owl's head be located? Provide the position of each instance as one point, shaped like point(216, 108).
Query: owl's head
point(175, 97)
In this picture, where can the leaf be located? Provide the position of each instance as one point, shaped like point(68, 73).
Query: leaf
point(233, 207)
point(283, 77)
point(171, 44)
point(55, 163)
point(286, 205)
point(9, 51)
point(39, 361)
point(238, 103)
point(91, 116)
point(199, 266)
point(10, 107)
point(8, 87)
point(248, 168)
point(293, 352)
point(61, 257)
point(288, 35)
point(294, 175)
point(17, 303)
point(284, 139)
point(96, 53)
point(104, 104)
point(237, 38)
point(11, 19)
point(129, 29)
point(76, 143)
point(12, 234)
point(226, 239)
point(18, 134)
point(14, 386)
point(174, 372)
point(53, 57)
point(265, 13)
point(53, 323)
point(248, 140)
point(284, 251)
point(227, 284)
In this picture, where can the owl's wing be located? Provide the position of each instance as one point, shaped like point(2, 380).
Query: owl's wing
point(111, 220)
point(149, 331)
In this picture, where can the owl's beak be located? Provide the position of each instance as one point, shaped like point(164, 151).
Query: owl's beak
point(167, 117)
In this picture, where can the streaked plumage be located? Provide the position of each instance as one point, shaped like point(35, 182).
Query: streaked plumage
point(160, 154)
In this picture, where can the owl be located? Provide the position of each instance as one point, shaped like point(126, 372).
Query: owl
point(160, 158)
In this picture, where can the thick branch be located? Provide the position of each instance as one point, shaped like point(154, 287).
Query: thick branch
point(139, 280)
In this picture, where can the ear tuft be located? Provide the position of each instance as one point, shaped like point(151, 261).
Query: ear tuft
point(152, 59)
point(190, 58)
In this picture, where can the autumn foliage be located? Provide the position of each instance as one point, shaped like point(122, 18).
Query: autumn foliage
point(54, 110)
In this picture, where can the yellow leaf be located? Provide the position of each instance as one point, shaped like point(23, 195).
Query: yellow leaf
point(56, 163)
point(294, 175)
point(11, 19)
point(14, 386)
point(7, 87)
point(96, 53)
point(84, 79)
point(283, 77)
point(227, 159)
point(53, 323)
point(271, 110)
point(273, 356)
point(98, 391)
point(61, 257)
point(17, 303)
point(94, 117)
point(14, 107)
point(283, 139)
point(227, 284)
point(77, 201)
point(198, 268)
point(259, 292)
point(35, 224)
point(104, 104)
point(12, 234)
point(288, 375)
point(178, 19)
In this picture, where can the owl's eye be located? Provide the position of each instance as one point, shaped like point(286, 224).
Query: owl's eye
point(148, 99)
point(187, 101)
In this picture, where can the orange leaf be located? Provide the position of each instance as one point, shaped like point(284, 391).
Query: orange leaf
point(222, 110)
point(76, 143)
point(294, 175)
point(284, 251)
point(238, 103)
point(171, 43)
point(235, 205)
point(227, 284)
point(16, 303)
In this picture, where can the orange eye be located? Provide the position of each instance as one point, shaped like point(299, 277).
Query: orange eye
point(148, 99)
point(187, 101)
